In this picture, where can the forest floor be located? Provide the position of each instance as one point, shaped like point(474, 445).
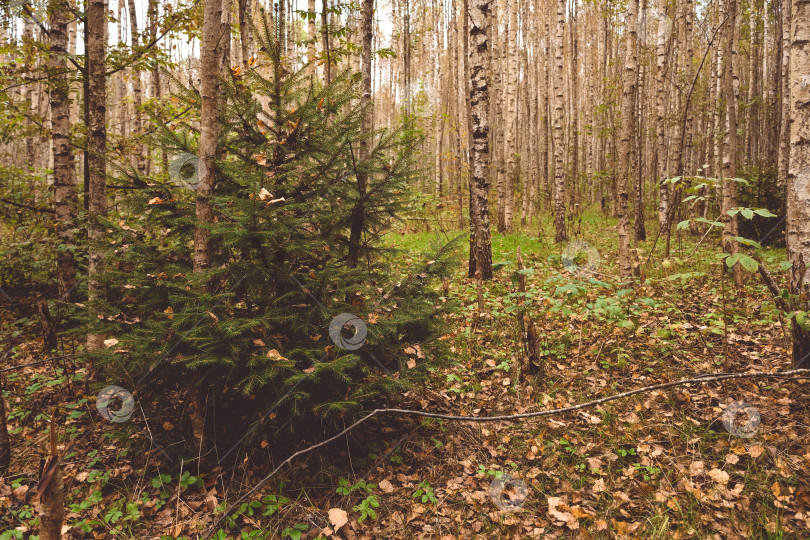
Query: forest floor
point(656, 465)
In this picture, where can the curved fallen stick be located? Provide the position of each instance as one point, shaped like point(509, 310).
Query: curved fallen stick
point(795, 374)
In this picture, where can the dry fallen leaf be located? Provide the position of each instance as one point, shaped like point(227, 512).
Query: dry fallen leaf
point(721, 477)
point(560, 514)
point(338, 518)
point(386, 486)
point(110, 342)
point(274, 355)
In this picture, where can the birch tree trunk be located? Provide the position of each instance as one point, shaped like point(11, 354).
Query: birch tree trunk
point(628, 130)
point(784, 120)
point(64, 172)
point(798, 194)
point(480, 248)
point(660, 112)
point(137, 95)
point(560, 232)
point(730, 143)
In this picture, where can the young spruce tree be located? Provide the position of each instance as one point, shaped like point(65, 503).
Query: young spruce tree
point(257, 323)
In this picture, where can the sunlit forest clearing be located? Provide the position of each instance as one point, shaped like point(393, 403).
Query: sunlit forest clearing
point(420, 269)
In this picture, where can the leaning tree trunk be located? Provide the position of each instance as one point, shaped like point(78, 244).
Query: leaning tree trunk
point(628, 129)
point(480, 248)
point(798, 193)
point(96, 104)
point(64, 172)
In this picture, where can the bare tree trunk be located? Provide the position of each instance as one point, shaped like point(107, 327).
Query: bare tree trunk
point(325, 27)
point(64, 173)
point(358, 216)
point(96, 103)
point(244, 30)
point(784, 120)
point(628, 130)
point(660, 111)
point(480, 248)
point(560, 232)
point(214, 60)
point(311, 36)
point(730, 143)
point(137, 95)
point(798, 194)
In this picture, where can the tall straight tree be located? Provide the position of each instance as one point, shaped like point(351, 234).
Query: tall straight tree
point(137, 96)
point(798, 195)
point(214, 59)
point(480, 247)
point(64, 172)
point(560, 232)
point(628, 130)
point(96, 104)
point(358, 217)
point(730, 143)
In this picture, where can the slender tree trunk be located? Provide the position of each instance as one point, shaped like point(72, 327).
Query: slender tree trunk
point(325, 26)
point(358, 217)
point(480, 248)
point(660, 111)
point(213, 62)
point(64, 172)
point(784, 96)
point(638, 203)
point(140, 162)
point(730, 143)
point(96, 103)
point(244, 30)
point(628, 130)
point(560, 232)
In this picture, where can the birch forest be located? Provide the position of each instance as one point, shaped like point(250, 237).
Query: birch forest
point(326, 269)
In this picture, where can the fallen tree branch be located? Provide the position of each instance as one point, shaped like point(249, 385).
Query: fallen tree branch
point(29, 207)
point(795, 374)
